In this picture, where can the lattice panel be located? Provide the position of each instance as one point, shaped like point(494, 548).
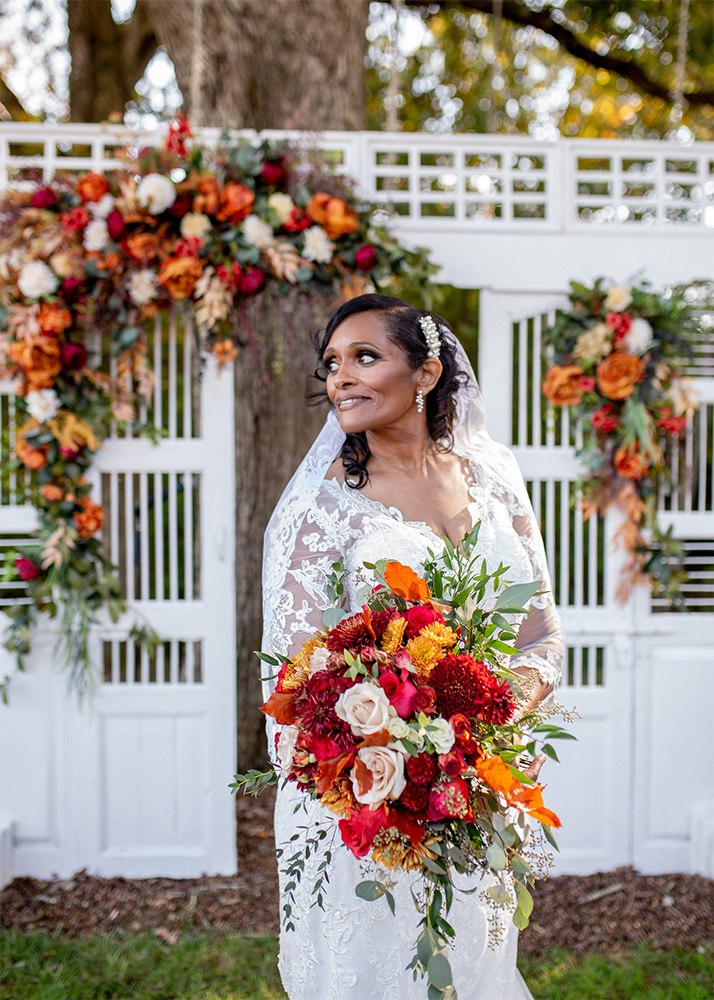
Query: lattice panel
point(689, 461)
point(13, 482)
point(152, 533)
point(644, 188)
point(698, 589)
point(584, 667)
point(176, 661)
point(575, 547)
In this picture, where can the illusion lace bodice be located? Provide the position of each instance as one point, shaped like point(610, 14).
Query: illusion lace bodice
point(354, 949)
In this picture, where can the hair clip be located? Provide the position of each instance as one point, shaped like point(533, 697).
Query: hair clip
point(431, 335)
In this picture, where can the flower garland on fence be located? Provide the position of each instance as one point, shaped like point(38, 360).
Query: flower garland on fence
point(100, 254)
point(619, 355)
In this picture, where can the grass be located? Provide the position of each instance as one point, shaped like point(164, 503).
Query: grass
point(215, 966)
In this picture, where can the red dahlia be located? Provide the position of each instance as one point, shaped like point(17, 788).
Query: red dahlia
point(422, 768)
point(415, 798)
point(461, 684)
point(315, 703)
point(499, 705)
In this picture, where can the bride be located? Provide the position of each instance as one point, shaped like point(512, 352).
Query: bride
point(402, 461)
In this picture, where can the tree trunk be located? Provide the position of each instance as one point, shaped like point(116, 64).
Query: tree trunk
point(274, 429)
point(268, 63)
point(107, 58)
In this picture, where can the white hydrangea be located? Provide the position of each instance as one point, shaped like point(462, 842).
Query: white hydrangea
point(143, 286)
point(195, 225)
point(318, 246)
point(156, 193)
point(102, 208)
point(42, 404)
point(638, 336)
point(258, 232)
point(36, 279)
point(595, 343)
point(282, 205)
point(96, 235)
point(618, 298)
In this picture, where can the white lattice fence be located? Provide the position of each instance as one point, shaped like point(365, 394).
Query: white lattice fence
point(136, 783)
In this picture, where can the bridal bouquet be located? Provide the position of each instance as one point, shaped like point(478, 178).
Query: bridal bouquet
point(402, 721)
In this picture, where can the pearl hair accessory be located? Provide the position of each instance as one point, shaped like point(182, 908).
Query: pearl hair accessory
point(420, 401)
point(431, 335)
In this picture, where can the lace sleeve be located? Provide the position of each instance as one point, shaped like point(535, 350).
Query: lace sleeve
point(540, 636)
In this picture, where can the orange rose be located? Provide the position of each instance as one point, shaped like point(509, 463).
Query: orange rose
point(91, 187)
point(31, 458)
point(53, 318)
point(333, 214)
point(51, 492)
point(89, 520)
point(618, 373)
point(630, 464)
point(39, 359)
point(144, 247)
point(225, 351)
point(208, 197)
point(561, 386)
point(179, 275)
point(236, 202)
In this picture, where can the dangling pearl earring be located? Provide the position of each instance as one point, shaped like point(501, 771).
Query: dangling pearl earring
point(420, 401)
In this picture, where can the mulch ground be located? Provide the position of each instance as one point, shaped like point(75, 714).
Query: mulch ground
point(607, 911)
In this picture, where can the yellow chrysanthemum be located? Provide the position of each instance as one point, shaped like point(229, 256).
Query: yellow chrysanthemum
point(441, 634)
point(393, 635)
point(71, 432)
point(302, 660)
point(293, 677)
point(340, 798)
point(424, 654)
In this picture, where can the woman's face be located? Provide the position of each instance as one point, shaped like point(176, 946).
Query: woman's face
point(369, 381)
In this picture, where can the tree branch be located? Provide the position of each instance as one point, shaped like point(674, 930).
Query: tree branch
point(519, 13)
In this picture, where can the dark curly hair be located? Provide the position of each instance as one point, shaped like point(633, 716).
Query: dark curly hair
point(402, 326)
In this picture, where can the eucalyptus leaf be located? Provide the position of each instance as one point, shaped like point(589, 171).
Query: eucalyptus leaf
point(439, 971)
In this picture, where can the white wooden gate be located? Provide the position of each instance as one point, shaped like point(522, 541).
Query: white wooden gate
point(135, 782)
point(632, 790)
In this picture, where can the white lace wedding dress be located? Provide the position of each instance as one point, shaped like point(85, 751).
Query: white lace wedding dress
point(355, 949)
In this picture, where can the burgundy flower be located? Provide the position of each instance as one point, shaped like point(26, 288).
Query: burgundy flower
point(415, 798)
point(252, 281)
point(315, 703)
point(460, 683)
point(26, 569)
point(499, 704)
point(421, 769)
point(181, 206)
point(366, 258)
point(70, 286)
point(44, 197)
point(74, 356)
point(425, 700)
point(70, 452)
point(350, 633)
point(188, 247)
point(603, 420)
point(273, 172)
point(115, 224)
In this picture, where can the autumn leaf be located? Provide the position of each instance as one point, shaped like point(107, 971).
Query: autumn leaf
point(530, 799)
point(280, 706)
point(497, 775)
point(405, 583)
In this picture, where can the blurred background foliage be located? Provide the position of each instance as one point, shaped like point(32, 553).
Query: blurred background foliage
point(630, 68)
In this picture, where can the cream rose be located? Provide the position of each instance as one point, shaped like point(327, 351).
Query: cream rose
point(318, 659)
point(617, 299)
point(195, 225)
point(282, 205)
point(387, 769)
point(441, 735)
point(399, 729)
point(364, 707)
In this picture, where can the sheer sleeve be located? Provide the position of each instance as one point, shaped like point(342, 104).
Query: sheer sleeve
point(540, 636)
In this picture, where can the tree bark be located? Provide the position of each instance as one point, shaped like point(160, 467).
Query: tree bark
point(274, 429)
point(269, 63)
point(107, 58)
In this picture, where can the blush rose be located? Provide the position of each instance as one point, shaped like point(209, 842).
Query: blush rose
point(365, 708)
point(378, 774)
